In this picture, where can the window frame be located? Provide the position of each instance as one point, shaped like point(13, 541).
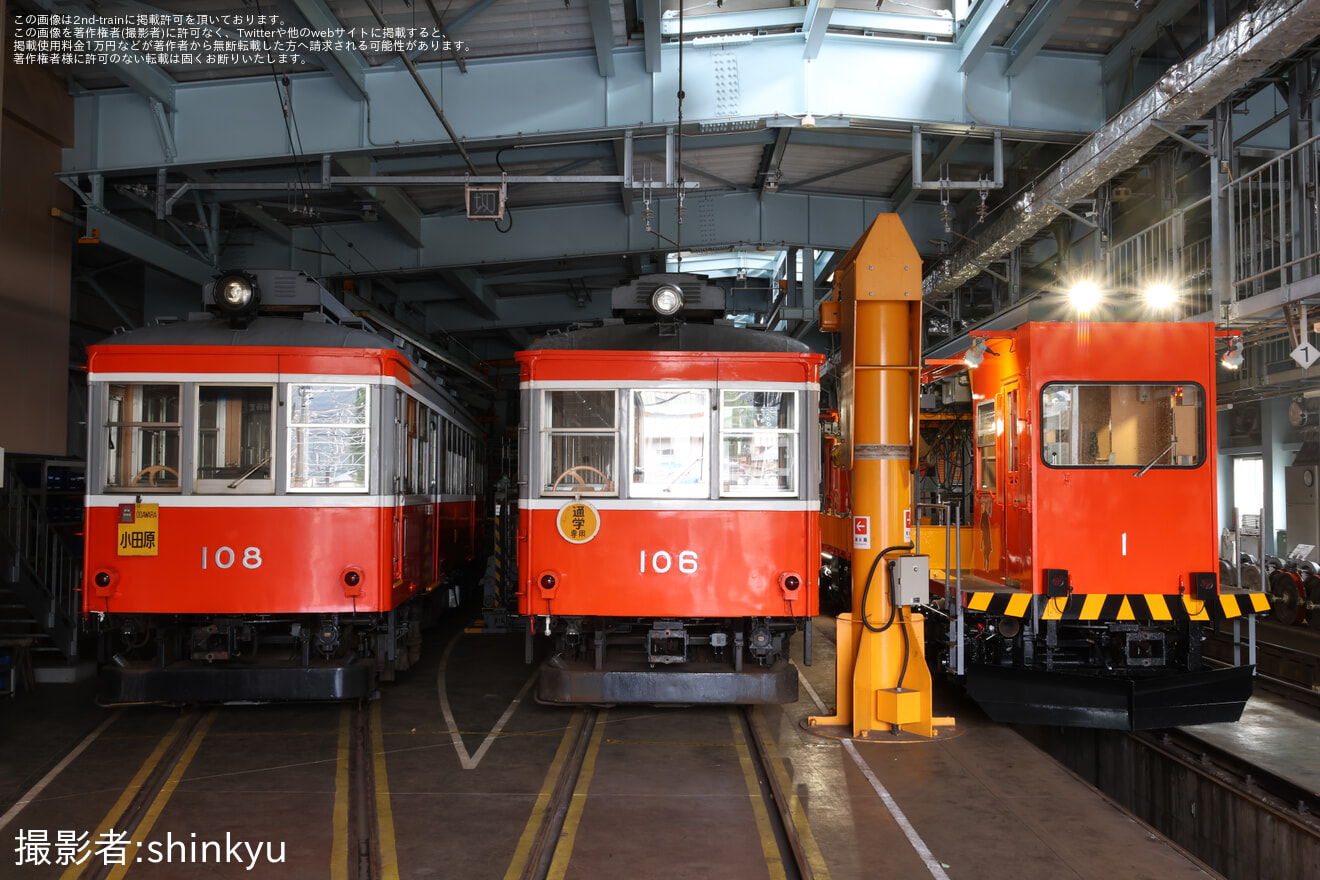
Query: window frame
point(291, 428)
point(218, 486)
point(648, 490)
point(548, 433)
point(794, 433)
point(108, 425)
point(1202, 454)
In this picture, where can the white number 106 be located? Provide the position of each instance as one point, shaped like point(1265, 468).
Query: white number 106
point(661, 562)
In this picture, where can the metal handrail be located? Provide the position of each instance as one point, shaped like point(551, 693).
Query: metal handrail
point(45, 555)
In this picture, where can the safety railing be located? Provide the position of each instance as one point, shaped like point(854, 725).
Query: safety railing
point(46, 573)
point(1160, 254)
point(1273, 217)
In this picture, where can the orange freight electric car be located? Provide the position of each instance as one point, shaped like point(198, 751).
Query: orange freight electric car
point(668, 531)
point(274, 492)
point(1095, 555)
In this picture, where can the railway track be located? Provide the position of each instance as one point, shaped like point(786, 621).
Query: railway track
point(358, 850)
point(546, 851)
point(1287, 659)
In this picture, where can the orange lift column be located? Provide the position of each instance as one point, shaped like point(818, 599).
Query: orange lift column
point(884, 685)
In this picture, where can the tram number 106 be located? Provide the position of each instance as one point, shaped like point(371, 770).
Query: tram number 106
point(661, 562)
point(225, 557)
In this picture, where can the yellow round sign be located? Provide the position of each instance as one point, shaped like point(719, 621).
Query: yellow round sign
point(578, 522)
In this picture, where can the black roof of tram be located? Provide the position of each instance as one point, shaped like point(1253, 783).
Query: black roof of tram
point(264, 332)
point(676, 337)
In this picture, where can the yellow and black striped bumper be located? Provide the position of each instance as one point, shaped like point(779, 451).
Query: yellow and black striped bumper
point(1102, 606)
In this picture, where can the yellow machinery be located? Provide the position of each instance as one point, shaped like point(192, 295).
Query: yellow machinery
point(884, 685)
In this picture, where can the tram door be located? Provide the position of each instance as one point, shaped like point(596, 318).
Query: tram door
point(1016, 464)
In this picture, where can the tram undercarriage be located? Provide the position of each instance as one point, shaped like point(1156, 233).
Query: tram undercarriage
point(698, 660)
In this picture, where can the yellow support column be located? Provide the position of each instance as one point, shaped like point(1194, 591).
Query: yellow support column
point(878, 290)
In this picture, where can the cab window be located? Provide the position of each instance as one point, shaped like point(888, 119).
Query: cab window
point(1122, 425)
point(580, 440)
point(142, 433)
point(670, 443)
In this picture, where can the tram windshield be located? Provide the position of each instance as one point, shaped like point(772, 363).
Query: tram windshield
point(234, 438)
point(1123, 425)
point(670, 444)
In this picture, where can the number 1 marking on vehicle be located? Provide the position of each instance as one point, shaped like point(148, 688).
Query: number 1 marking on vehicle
point(1125, 543)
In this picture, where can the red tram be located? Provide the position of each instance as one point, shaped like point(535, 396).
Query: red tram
point(275, 494)
point(1095, 562)
point(668, 533)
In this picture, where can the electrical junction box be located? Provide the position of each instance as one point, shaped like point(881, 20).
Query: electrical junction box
point(911, 576)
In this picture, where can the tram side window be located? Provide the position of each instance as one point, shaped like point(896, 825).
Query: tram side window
point(985, 442)
point(758, 443)
point(670, 448)
point(1122, 425)
point(234, 438)
point(581, 438)
point(142, 437)
point(329, 438)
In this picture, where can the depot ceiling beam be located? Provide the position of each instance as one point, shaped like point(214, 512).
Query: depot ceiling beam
point(146, 79)
point(550, 233)
point(1184, 94)
point(252, 211)
point(837, 172)
point(651, 30)
point(147, 248)
point(451, 28)
point(988, 22)
point(472, 288)
point(754, 21)
point(241, 120)
point(817, 22)
point(1031, 35)
point(771, 158)
point(518, 312)
point(1143, 33)
point(392, 204)
point(348, 66)
point(602, 34)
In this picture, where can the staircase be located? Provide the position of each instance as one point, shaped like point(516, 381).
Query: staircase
point(41, 556)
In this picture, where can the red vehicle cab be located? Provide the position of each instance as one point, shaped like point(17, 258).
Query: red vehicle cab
point(668, 533)
point(1095, 553)
point(270, 497)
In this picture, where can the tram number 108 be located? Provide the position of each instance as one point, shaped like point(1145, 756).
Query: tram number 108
point(225, 557)
point(661, 562)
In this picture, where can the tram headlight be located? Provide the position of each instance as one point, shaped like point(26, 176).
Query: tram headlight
point(667, 300)
point(235, 293)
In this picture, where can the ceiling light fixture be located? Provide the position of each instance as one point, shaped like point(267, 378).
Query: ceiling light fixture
point(1232, 358)
point(976, 353)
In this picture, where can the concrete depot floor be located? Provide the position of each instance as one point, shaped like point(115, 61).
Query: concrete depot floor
point(467, 752)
